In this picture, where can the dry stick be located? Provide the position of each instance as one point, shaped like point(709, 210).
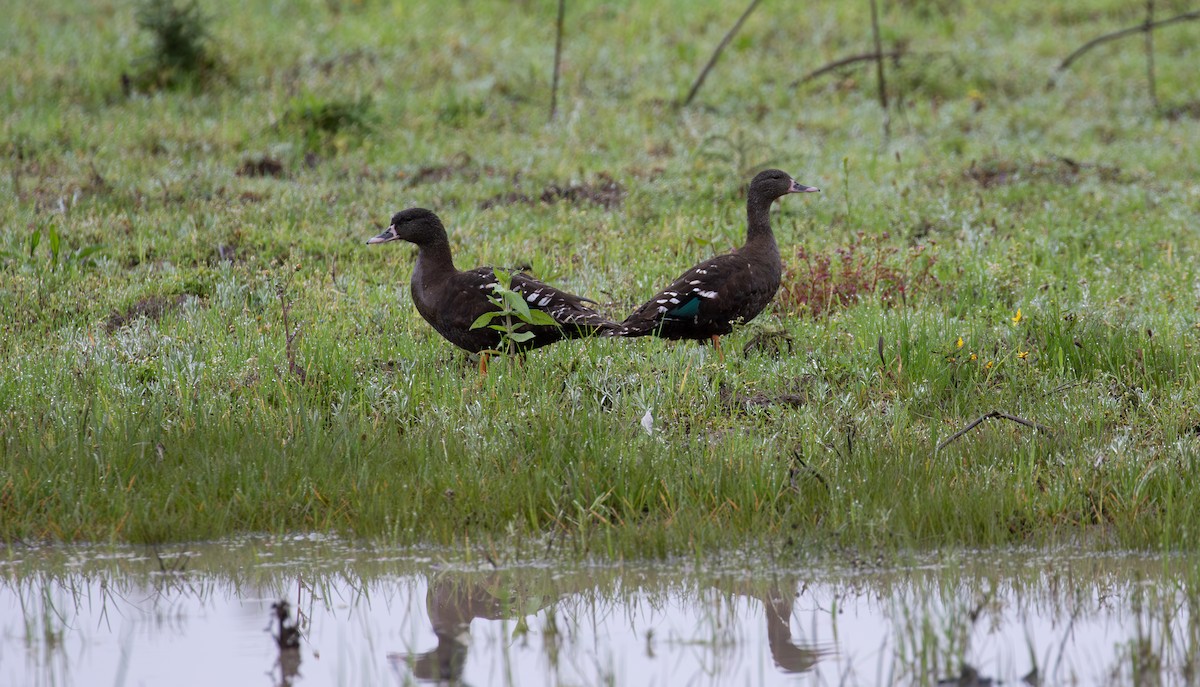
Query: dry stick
point(845, 62)
point(810, 469)
point(1150, 53)
point(883, 102)
point(562, 10)
point(1062, 387)
point(290, 334)
point(1186, 16)
point(712, 61)
point(995, 413)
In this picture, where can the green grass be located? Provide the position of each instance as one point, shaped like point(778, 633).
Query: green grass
point(146, 394)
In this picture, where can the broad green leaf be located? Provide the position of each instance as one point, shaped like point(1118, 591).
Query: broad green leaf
point(483, 319)
point(55, 242)
point(34, 239)
point(541, 317)
point(84, 255)
point(517, 304)
point(521, 337)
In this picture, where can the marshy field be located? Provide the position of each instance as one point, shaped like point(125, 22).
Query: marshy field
point(198, 344)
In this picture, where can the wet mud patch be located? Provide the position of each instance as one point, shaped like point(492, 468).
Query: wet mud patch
point(1184, 111)
point(152, 308)
point(264, 166)
point(797, 395)
point(605, 192)
point(1066, 171)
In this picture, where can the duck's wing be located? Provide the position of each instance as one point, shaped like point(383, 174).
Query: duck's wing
point(704, 298)
point(566, 309)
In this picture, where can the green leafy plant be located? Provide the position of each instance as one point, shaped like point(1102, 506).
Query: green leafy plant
point(182, 53)
point(514, 313)
point(59, 258)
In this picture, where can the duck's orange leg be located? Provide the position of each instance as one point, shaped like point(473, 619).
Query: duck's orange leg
point(716, 342)
point(483, 358)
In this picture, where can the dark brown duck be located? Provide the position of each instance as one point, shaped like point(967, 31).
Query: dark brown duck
point(451, 300)
point(706, 301)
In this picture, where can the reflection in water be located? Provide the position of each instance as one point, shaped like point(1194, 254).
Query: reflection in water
point(356, 616)
point(455, 599)
point(288, 641)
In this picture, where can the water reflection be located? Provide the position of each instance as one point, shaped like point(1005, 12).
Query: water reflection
point(321, 612)
point(455, 599)
point(287, 638)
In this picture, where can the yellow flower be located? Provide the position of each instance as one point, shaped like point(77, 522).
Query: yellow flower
point(1022, 354)
point(1016, 319)
point(974, 357)
point(959, 343)
point(988, 366)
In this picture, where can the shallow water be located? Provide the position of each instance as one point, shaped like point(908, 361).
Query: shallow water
point(202, 615)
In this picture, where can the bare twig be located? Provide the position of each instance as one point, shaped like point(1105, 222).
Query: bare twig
point(1144, 26)
point(807, 468)
point(290, 334)
point(562, 10)
point(1150, 53)
point(333, 277)
point(846, 62)
point(995, 413)
point(883, 100)
point(712, 61)
point(1061, 388)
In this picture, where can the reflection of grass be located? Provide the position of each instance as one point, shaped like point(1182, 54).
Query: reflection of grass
point(926, 616)
point(45, 609)
point(1067, 206)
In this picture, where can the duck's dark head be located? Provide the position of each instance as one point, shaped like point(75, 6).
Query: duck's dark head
point(417, 225)
point(774, 183)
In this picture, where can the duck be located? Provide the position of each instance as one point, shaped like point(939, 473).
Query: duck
point(453, 300)
point(707, 300)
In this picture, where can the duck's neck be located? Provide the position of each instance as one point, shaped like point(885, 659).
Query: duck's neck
point(433, 260)
point(758, 223)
